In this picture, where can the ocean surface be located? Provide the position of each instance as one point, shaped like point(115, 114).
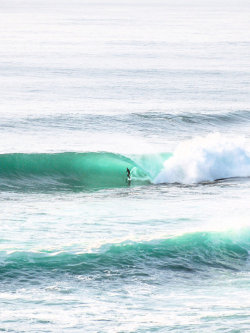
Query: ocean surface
point(87, 90)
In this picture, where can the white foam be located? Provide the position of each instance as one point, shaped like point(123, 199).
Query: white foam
point(206, 159)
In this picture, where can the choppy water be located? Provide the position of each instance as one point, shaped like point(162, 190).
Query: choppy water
point(89, 89)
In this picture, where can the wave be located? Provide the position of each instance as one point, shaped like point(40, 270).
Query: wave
point(201, 159)
point(201, 119)
point(84, 170)
point(146, 121)
point(191, 252)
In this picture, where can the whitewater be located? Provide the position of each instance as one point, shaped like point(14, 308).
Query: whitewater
point(89, 90)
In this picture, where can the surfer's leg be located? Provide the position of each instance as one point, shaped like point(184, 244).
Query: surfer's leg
point(128, 176)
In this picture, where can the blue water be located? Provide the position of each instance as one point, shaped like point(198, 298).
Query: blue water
point(89, 89)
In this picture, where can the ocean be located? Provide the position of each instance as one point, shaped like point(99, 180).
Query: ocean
point(90, 89)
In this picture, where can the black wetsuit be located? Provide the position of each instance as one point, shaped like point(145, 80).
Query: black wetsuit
point(128, 173)
point(128, 176)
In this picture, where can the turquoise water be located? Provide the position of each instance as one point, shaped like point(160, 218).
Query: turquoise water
point(84, 170)
point(89, 89)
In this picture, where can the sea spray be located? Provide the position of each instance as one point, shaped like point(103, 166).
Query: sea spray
point(206, 159)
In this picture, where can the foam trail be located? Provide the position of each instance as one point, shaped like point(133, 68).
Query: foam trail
point(206, 159)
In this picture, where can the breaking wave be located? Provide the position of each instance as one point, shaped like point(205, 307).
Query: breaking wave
point(199, 160)
point(189, 252)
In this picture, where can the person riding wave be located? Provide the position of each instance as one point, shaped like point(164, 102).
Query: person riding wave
point(128, 176)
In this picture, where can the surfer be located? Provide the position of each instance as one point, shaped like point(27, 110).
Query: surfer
point(128, 176)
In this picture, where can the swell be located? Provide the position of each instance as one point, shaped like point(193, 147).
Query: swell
point(191, 252)
point(131, 122)
point(220, 119)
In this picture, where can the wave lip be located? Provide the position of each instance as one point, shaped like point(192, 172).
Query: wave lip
point(206, 159)
point(191, 252)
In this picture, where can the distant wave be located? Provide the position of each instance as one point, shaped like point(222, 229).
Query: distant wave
point(191, 252)
point(203, 119)
point(132, 122)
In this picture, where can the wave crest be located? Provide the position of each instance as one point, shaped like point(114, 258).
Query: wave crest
point(196, 251)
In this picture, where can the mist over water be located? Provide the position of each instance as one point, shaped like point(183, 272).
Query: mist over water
point(87, 91)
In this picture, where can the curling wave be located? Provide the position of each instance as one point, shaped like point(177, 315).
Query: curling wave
point(69, 169)
point(199, 160)
point(85, 170)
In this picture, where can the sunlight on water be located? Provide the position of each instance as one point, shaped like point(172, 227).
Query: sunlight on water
point(91, 91)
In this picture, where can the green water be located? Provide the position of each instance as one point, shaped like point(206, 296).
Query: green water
point(189, 252)
point(88, 170)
